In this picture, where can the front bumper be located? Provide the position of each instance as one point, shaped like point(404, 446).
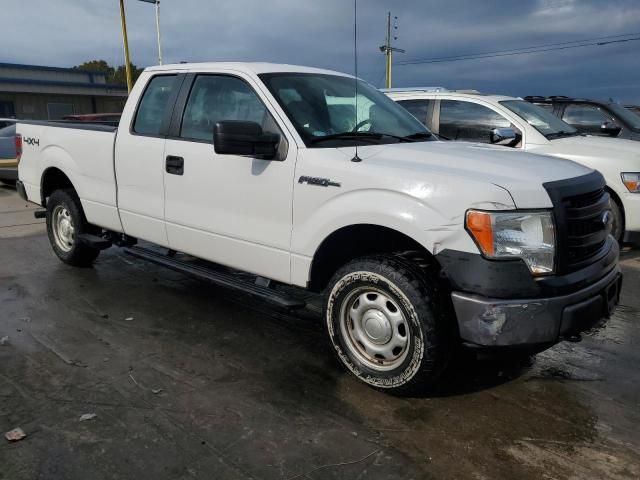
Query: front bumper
point(492, 322)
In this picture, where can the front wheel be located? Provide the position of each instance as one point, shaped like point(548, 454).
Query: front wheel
point(386, 324)
point(65, 223)
point(617, 226)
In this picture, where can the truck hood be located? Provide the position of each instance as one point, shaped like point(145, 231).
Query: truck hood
point(521, 174)
point(592, 151)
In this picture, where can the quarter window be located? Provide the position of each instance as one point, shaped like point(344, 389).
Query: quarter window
point(154, 104)
point(417, 108)
point(468, 121)
point(216, 98)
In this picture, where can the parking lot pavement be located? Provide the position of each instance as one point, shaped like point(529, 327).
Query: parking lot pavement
point(190, 381)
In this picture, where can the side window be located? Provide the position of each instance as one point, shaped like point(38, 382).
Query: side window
point(215, 98)
point(417, 108)
point(468, 121)
point(585, 118)
point(547, 106)
point(153, 105)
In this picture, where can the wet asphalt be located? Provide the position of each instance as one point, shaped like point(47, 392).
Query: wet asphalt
point(188, 381)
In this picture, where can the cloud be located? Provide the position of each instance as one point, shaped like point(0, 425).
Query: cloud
point(320, 33)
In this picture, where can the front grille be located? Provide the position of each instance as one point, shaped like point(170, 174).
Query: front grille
point(586, 228)
point(580, 207)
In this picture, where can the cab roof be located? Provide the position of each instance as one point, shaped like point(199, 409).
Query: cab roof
point(248, 67)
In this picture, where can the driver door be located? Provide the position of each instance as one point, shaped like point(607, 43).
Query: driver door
point(229, 209)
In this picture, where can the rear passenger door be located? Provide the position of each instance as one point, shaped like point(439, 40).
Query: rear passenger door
point(229, 209)
point(139, 158)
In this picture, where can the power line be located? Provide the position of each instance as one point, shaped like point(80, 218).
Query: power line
point(526, 50)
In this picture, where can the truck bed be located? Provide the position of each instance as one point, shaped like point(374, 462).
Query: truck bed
point(85, 152)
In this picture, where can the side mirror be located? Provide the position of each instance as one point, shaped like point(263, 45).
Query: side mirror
point(237, 137)
point(610, 128)
point(504, 136)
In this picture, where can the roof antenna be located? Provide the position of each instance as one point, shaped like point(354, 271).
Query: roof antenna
point(356, 158)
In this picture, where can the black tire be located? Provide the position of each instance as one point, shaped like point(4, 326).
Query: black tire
point(73, 253)
point(412, 369)
point(11, 183)
point(617, 227)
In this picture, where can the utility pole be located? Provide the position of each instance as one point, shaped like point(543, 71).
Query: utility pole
point(125, 41)
point(388, 48)
point(157, 3)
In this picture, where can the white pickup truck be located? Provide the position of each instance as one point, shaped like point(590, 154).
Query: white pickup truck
point(513, 122)
point(310, 178)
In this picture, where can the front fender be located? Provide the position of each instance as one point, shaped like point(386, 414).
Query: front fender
point(435, 228)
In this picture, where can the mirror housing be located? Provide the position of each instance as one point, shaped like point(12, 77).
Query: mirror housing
point(238, 137)
point(611, 129)
point(504, 136)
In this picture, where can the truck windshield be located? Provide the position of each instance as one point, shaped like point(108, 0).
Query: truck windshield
point(543, 121)
point(324, 111)
point(627, 116)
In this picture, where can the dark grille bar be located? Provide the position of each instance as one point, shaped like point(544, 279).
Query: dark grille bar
point(582, 226)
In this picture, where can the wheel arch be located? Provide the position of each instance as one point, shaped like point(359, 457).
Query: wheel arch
point(53, 178)
point(357, 240)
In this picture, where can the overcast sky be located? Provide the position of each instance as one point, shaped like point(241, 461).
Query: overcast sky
point(320, 33)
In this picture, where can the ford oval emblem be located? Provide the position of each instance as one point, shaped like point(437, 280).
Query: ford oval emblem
point(607, 219)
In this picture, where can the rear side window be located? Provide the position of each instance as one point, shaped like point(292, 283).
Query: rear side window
point(417, 108)
point(468, 121)
point(153, 105)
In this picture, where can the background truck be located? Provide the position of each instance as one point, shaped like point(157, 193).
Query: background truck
point(473, 117)
point(309, 178)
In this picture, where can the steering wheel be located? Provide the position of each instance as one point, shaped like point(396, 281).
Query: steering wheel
point(361, 124)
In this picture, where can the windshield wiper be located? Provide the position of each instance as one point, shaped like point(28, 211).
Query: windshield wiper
point(347, 136)
point(419, 136)
point(561, 134)
point(370, 136)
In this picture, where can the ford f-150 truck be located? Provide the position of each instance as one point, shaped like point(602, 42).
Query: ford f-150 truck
point(313, 179)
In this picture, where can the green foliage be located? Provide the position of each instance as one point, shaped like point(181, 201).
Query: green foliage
point(113, 75)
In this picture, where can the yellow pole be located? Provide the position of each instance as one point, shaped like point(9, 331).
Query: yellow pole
point(127, 61)
point(389, 62)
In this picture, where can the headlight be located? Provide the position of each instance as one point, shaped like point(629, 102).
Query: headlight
point(526, 235)
point(631, 181)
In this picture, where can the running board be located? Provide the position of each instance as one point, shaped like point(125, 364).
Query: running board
point(222, 279)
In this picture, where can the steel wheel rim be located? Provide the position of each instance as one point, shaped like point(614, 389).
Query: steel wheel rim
point(375, 329)
point(64, 232)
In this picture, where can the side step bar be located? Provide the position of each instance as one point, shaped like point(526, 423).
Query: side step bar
point(218, 278)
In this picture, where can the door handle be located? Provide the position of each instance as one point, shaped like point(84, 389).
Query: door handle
point(174, 165)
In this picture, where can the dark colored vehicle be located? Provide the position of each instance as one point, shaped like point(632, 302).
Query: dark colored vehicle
point(634, 108)
point(8, 161)
point(593, 117)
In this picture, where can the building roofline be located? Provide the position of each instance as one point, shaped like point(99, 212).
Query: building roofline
point(99, 86)
point(22, 66)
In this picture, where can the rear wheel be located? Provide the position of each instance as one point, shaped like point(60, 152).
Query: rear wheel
point(386, 324)
point(65, 223)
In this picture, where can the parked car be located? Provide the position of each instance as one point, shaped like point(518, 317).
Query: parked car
point(513, 122)
point(106, 118)
point(8, 161)
point(414, 245)
point(634, 108)
point(593, 117)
